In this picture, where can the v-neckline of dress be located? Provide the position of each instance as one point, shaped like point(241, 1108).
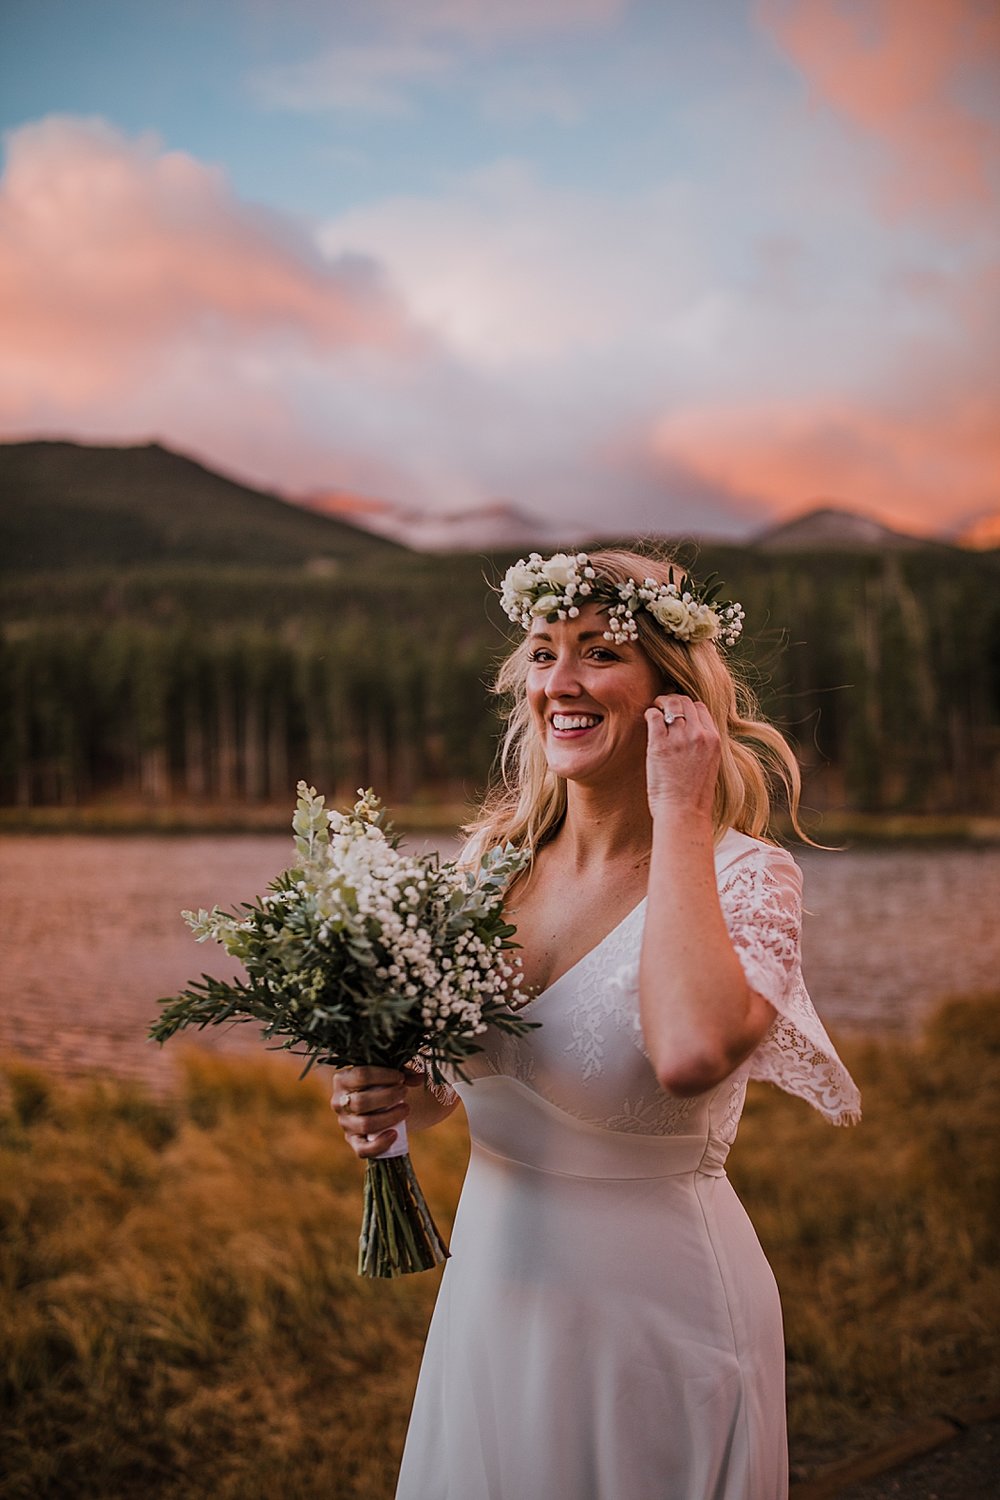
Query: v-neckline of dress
point(554, 983)
point(723, 848)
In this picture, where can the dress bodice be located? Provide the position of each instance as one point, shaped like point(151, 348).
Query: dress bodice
point(585, 1061)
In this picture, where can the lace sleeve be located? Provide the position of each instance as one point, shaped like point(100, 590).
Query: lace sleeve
point(442, 1092)
point(761, 897)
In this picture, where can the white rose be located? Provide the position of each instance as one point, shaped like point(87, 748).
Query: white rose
point(520, 579)
point(704, 623)
point(560, 569)
point(671, 613)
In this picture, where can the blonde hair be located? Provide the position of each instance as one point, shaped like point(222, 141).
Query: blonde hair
point(526, 803)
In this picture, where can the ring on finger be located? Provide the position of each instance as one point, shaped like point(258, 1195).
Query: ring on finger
point(669, 716)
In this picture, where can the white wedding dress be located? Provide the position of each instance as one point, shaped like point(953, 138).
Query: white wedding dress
point(608, 1327)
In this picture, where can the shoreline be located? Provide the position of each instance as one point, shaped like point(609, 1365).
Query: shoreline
point(239, 818)
point(223, 818)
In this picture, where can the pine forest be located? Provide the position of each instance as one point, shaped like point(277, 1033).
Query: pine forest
point(213, 683)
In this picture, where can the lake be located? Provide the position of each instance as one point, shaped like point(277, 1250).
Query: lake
point(92, 936)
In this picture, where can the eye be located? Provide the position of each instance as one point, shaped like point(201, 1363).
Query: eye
point(540, 654)
point(603, 653)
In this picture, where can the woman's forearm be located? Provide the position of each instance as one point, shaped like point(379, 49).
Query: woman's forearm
point(426, 1109)
point(700, 1017)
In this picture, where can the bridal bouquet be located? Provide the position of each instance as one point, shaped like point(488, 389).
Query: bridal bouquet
point(362, 954)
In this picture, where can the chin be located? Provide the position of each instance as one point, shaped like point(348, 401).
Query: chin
point(579, 769)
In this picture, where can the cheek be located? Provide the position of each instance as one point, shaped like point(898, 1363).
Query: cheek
point(535, 694)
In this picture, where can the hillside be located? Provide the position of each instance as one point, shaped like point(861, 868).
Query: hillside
point(832, 528)
point(68, 505)
point(494, 527)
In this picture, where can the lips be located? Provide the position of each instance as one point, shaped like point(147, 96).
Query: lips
point(564, 723)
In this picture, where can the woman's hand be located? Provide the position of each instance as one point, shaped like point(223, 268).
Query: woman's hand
point(682, 758)
point(368, 1102)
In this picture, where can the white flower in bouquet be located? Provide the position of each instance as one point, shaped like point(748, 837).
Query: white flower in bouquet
point(363, 954)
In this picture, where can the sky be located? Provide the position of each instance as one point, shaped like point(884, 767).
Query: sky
point(664, 265)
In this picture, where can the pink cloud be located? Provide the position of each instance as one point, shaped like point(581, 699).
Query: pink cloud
point(116, 256)
point(911, 468)
point(907, 73)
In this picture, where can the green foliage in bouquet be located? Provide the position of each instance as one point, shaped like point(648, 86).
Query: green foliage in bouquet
point(361, 954)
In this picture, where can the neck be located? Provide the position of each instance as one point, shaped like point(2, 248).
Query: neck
point(603, 827)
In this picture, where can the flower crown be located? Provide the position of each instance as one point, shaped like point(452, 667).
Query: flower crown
point(554, 588)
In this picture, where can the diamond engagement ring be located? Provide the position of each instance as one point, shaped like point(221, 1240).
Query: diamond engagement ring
point(668, 717)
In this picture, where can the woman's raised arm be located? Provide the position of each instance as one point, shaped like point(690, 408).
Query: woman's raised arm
point(700, 1017)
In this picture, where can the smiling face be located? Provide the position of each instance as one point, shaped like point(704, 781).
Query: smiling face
point(587, 698)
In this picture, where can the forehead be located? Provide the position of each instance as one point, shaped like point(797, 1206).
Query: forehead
point(587, 630)
point(590, 624)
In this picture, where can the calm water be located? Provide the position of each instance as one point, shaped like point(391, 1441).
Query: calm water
point(92, 935)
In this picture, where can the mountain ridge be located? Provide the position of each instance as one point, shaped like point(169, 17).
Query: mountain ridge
point(496, 525)
point(66, 504)
point(827, 525)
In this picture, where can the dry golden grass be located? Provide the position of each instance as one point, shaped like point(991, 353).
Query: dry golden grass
point(180, 1315)
point(885, 1239)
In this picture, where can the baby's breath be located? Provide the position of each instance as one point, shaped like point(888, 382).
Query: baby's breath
point(553, 589)
point(362, 952)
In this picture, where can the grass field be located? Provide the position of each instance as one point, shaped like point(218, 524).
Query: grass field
point(179, 1313)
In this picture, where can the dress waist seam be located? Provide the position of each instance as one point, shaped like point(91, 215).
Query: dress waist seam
point(698, 1170)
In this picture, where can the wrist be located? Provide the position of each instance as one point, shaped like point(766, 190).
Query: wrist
point(680, 816)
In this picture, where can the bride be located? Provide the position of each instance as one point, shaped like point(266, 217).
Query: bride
point(608, 1327)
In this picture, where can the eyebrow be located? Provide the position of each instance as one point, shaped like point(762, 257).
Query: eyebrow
point(585, 635)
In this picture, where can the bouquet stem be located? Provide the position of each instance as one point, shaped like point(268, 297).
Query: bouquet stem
point(398, 1234)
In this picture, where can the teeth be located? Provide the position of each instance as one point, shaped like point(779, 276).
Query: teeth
point(575, 721)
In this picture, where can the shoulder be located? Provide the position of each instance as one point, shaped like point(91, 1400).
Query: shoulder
point(739, 857)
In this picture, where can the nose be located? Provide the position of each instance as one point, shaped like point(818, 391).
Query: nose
point(563, 677)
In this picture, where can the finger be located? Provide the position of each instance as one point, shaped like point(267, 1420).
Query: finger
point(364, 1077)
point(370, 1101)
point(673, 716)
point(371, 1124)
point(703, 717)
point(356, 1103)
point(363, 1147)
point(357, 1081)
point(657, 728)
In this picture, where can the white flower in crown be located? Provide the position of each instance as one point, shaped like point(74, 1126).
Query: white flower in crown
point(548, 604)
point(546, 588)
point(671, 612)
point(685, 618)
point(554, 588)
point(560, 569)
point(520, 578)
